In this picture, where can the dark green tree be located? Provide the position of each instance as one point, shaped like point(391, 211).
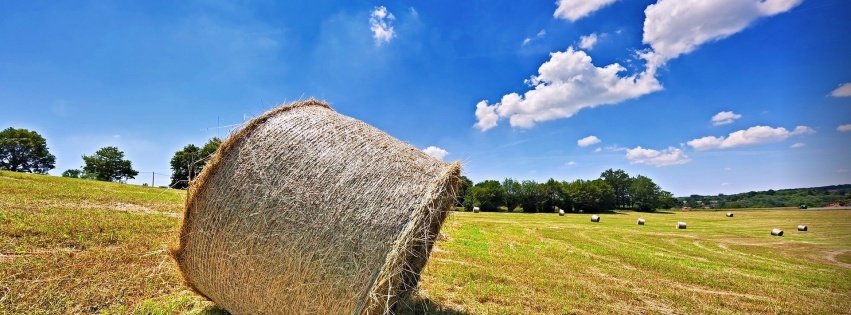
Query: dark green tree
point(645, 193)
point(108, 164)
point(592, 195)
point(72, 173)
point(619, 181)
point(465, 185)
point(488, 195)
point(531, 196)
point(512, 193)
point(189, 162)
point(22, 150)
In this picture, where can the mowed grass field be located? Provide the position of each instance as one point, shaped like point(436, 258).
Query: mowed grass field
point(77, 246)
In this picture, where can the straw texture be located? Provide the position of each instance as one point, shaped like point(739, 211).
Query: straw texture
point(306, 211)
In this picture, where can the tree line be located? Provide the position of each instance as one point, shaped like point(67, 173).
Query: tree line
point(810, 197)
point(615, 189)
point(23, 150)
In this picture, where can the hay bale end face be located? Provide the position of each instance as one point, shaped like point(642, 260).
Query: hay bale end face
point(306, 211)
point(729, 214)
point(595, 218)
point(640, 221)
point(561, 212)
point(802, 228)
point(777, 232)
point(681, 225)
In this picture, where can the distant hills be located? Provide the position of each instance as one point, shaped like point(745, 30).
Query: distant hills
point(827, 196)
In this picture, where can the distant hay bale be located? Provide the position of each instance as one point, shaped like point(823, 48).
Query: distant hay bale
point(581, 211)
point(777, 232)
point(561, 212)
point(595, 218)
point(802, 228)
point(640, 221)
point(729, 214)
point(681, 225)
point(307, 211)
point(475, 209)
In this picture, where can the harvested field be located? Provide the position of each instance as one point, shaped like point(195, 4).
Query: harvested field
point(77, 246)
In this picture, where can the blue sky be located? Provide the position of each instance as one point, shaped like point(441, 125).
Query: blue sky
point(704, 97)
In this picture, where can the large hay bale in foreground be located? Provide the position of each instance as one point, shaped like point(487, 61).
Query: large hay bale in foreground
point(777, 232)
point(595, 218)
point(306, 211)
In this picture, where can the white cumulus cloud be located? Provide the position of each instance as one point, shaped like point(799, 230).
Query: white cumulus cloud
point(589, 140)
point(435, 152)
point(588, 42)
point(669, 156)
point(565, 84)
point(798, 145)
point(751, 136)
point(379, 23)
point(844, 90)
point(676, 27)
point(576, 9)
point(724, 118)
point(843, 128)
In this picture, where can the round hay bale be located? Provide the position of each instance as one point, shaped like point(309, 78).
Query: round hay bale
point(729, 214)
point(640, 221)
point(802, 228)
point(595, 218)
point(581, 211)
point(561, 212)
point(681, 225)
point(777, 232)
point(307, 211)
point(475, 209)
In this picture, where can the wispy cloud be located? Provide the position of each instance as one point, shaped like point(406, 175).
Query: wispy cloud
point(540, 34)
point(724, 118)
point(843, 128)
point(752, 136)
point(379, 23)
point(666, 157)
point(844, 90)
point(587, 42)
point(798, 145)
point(589, 140)
point(574, 10)
point(571, 163)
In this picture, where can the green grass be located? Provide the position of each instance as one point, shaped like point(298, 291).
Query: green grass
point(78, 246)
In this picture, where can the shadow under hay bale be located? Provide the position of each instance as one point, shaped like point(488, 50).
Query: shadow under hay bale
point(802, 228)
point(640, 221)
point(729, 214)
point(306, 211)
point(777, 232)
point(681, 225)
point(595, 218)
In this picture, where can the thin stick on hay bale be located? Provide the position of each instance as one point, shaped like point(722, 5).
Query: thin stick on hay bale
point(777, 232)
point(729, 214)
point(306, 211)
point(640, 221)
point(475, 209)
point(561, 212)
point(681, 225)
point(802, 228)
point(595, 218)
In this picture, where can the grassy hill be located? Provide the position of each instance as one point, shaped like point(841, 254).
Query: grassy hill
point(79, 246)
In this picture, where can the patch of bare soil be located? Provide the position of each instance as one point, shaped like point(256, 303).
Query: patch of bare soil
point(831, 256)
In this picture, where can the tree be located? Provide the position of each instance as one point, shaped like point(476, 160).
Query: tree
point(189, 162)
point(22, 150)
point(592, 195)
point(466, 183)
point(531, 196)
point(512, 193)
point(645, 193)
point(72, 173)
point(489, 195)
point(619, 181)
point(108, 164)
